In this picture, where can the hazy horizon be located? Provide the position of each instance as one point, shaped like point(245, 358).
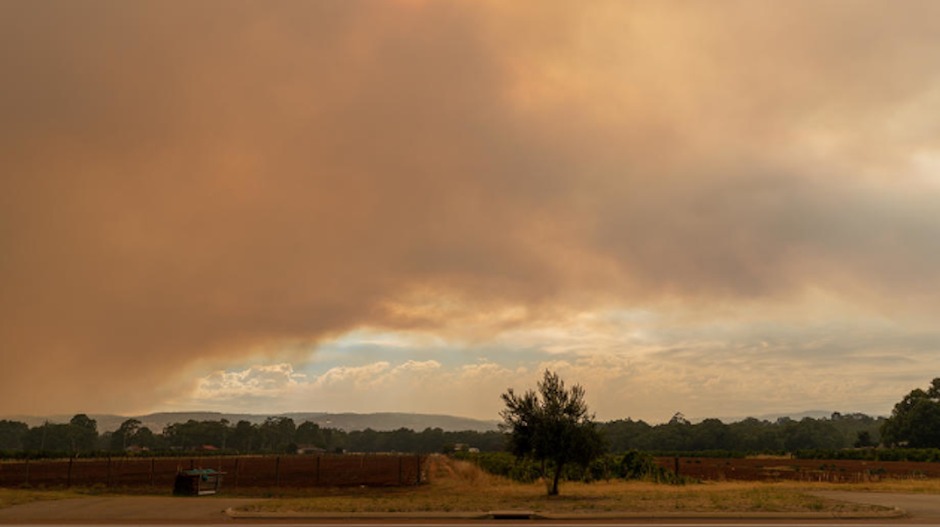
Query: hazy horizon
point(719, 208)
point(110, 422)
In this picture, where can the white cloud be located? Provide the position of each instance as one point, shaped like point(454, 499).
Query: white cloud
point(270, 381)
point(416, 367)
point(358, 376)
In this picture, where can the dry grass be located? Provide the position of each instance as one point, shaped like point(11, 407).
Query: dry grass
point(11, 497)
point(461, 487)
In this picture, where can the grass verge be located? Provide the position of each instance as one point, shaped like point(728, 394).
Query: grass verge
point(11, 497)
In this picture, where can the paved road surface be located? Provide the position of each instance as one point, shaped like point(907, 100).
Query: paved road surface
point(923, 509)
point(491, 523)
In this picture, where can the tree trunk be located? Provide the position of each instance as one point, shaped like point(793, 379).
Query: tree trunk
point(554, 490)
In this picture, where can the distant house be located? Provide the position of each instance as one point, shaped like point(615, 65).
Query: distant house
point(310, 450)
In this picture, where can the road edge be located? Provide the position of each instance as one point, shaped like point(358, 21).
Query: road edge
point(619, 515)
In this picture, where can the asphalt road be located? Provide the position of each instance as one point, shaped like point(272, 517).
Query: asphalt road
point(139, 510)
point(491, 524)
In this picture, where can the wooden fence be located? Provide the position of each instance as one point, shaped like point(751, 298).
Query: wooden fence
point(240, 471)
point(773, 469)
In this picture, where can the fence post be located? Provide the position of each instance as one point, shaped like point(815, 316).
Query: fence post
point(277, 471)
point(317, 480)
point(401, 462)
point(109, 471)
point(418, 464)
point(68, 479)
point(27, 472)
point(236, 472)
point(152, 463)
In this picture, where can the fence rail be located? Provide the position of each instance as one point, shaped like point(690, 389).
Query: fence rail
point(832, 470)
point(240, 471)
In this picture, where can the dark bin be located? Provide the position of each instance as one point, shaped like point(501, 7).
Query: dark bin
point(197, 482)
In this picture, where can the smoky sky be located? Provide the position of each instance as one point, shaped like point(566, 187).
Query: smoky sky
point(186, 181)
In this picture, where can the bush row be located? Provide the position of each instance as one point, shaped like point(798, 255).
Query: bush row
point(631, 465)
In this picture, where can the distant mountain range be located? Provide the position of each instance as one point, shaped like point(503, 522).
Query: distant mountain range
point(796, 416)
point(343, 421)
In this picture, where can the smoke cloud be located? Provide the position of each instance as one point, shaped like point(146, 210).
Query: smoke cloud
point(215, 180)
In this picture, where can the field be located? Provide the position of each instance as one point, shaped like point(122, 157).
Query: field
point(462, 487)
point(240, 471)
point(407, 483)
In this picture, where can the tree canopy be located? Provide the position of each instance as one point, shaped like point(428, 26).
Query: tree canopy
point(551, 425)
point(915, 420)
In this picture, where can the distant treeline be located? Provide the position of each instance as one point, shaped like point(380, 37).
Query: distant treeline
point(282, 435)
point(751, 435)
point(276, 435)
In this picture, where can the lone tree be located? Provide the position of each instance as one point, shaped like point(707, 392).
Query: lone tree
point(915, 421)
point(552, 425)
